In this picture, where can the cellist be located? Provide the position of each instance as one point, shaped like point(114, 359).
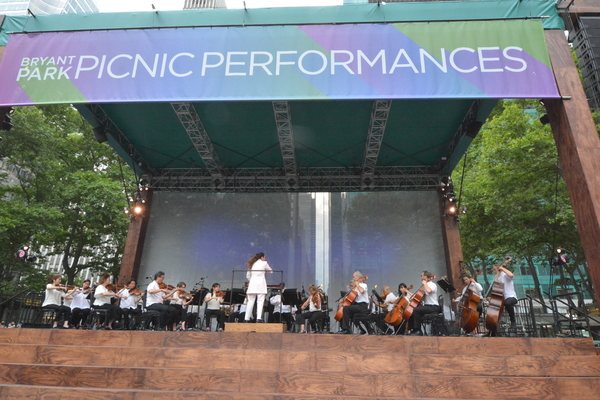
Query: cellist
point(389, 299)
point(360, 305)
point(429, 303)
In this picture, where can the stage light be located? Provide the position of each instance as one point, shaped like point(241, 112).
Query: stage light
point(451, 210)
point(126, 210)
point(137, 210)
point(463, 210)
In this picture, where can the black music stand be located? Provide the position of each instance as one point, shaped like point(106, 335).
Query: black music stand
point(446, 286)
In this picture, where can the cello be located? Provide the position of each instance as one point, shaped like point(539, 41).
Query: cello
point(348, 299)
point(496, 301)
point(396, 316)
point(416, 299)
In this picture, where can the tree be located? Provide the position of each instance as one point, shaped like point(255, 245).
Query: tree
point(515, 194)
point(69, 194)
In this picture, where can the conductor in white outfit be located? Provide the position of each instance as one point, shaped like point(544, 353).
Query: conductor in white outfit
point(257, 286)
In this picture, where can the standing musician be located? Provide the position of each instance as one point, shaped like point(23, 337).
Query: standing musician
point(102, 300)
point(470, 283)
point(360, 305)
point(53, 300)
point(155, 301)
point(430, 303)
point(510, 295)
point(130, 296)
point(214, 299)
point(80, 306)
point(389, 300)
point(314, 313)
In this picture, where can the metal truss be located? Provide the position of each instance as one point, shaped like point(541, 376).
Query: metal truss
point(286, 137)
point(333, 179)
point(112, 128)
point(194, 128)
point(379, 118)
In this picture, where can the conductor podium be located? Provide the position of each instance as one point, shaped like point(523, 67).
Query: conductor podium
point(255, 327)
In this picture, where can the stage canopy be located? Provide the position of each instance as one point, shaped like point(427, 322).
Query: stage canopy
point(349, 98)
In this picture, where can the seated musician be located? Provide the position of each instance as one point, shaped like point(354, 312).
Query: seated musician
point(155, 301)
point(130, 296)
point(429, 304)
point(389, 300)
point(510, 295)
point(239, 312)
point(180, 301)
point(314, 313)
point(102, 300)
point(470, 283)
point(213, 307)
point(80, 306)
point(53, 300)
point(284, 311)
point(360, 307)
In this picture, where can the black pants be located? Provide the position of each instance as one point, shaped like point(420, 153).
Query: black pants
point(136, 313)
point(61, 311)
point(79, 316)
point(352, 310)
point(220, 317)
point(168, 314)
point(417, 316)
point(314, 317)
point(286, 318)
point(113, 312)
point(509, 306)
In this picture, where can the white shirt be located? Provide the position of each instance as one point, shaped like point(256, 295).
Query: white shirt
point(214, 304)
point(99, 298)
point(53, 296)
point(475, 287)
point(509, 285)
point(256, 276)
point(153, 298)
point(431, 298)
point(362, 297)
point(80, 300)
point(390, 298)
point(128, 301)
point(278, 307)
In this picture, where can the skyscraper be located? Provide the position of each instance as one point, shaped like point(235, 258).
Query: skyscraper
point(192, 4)
point(45, 7)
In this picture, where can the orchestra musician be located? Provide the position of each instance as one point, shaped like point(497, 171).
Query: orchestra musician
point(181, 299)
point(360, 306)
point(389, 300)
point(429, 303)
point(257, 287)
point(314, 313)
point(470, 283)
point(53, 300)
point(239, 312)
point(510, 295)
point(102, 300)
point(129, 299)
point(155, 301)
point(80, 306)
point(214, 299)
point(286, 311)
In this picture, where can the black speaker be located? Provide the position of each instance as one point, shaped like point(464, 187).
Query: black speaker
point(586, 42)
point(100, 134)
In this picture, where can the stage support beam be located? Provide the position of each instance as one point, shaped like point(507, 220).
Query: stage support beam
point(379, 118)
point(283, 120)
point(578, 149)
point(134, 245)
point(452, 245)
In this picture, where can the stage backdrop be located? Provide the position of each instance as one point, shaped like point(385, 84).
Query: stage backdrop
point(466, 59)
point(318, 238)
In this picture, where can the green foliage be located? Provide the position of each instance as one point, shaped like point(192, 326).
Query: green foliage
point(513, 188)
point(68, 196)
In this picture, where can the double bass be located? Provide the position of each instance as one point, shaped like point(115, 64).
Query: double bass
point(348, 300)
point(396, 315)
point(469, 316)
point(496, 302)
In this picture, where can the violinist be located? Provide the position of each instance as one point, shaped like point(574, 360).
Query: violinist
point(53, 300)
point(314, 313)
point(102, 300)
point(214, 299)
point(510, 295)
point(156, 295)
point(429, 303)
point(360, 307)
point(130, 296)
point(80, 306)
point(180, 301)
point(470, 283)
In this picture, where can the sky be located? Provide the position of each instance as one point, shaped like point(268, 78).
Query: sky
point(167, 5)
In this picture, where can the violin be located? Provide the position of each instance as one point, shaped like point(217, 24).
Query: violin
point(136, 292)
point(165, 286)
point(113, 287)
point(348, 299)
point(220, 294)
